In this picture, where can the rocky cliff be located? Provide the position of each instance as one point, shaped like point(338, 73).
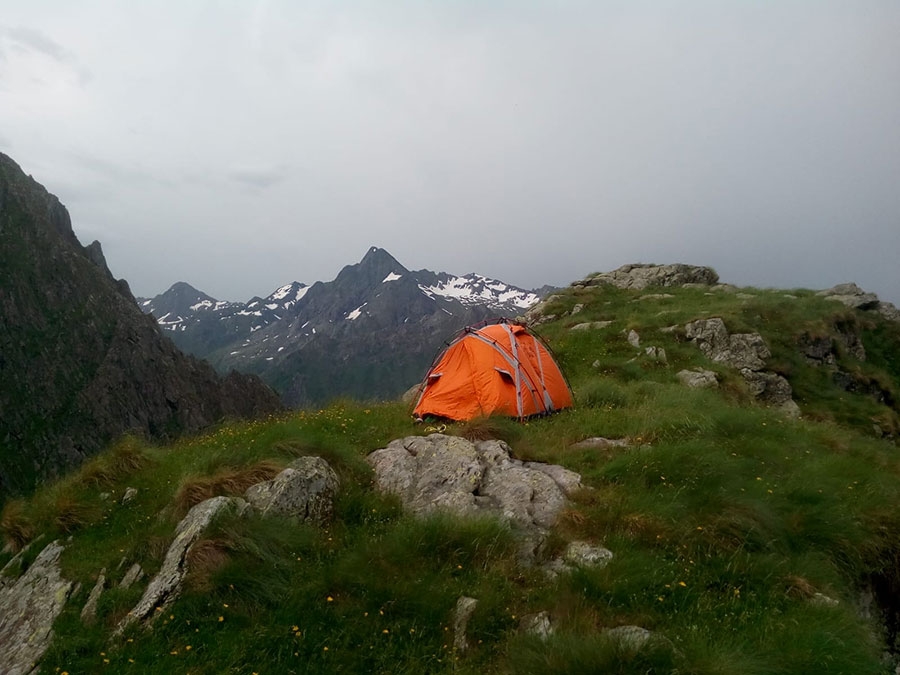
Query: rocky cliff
point(79, 362)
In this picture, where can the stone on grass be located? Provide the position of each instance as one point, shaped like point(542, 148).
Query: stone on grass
point(89, 611)
point(632, 639)
point(130, 493)
point(657, 354)
point(599, 443)
point(462, 612)
point(133, 575)
point(537, 624)
point(634, 339)
point(585, 554)
point(591, 325)
point(304, 491)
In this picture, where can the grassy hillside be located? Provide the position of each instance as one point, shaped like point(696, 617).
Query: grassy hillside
point(725, 519)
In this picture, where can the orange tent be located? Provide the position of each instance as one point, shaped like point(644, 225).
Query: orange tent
point(497, 369)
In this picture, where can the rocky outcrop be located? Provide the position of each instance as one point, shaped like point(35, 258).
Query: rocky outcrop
point(81, 364)
point(166, 585)
point(851, 295)
point(641, 276)
point(447, 473)
point(28, 608)
point(304, 491)
point(746, 352)
point(740, 350)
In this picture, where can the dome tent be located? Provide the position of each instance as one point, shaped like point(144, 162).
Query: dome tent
point(498, 368)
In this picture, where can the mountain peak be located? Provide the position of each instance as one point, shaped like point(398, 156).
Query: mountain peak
point(379, 257)
point(376, 265)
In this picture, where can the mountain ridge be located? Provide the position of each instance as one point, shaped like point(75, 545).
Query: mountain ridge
point(320, 341)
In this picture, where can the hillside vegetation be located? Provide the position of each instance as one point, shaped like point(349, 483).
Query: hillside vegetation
point(753, 542)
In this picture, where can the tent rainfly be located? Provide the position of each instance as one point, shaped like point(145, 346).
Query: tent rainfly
point(495, 369)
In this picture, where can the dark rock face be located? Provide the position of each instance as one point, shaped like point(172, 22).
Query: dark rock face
point(79, 362)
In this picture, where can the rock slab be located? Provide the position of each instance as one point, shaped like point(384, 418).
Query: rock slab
point(166, 585)
point(28, 608)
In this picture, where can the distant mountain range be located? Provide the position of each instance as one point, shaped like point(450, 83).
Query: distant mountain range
point(370, 333)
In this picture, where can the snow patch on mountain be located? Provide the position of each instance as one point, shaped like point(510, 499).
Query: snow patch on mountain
point(391, 277)
point(475, 289)
point(356, 313)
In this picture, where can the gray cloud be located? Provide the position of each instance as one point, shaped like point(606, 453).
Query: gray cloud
point(258, 177)
point(531, 141)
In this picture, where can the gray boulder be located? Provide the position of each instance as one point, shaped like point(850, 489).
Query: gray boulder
point(28, 608)
point(632, 639)
point(305, 491)
point(634, 339)
point(698, 379)
point(585, 554)
point(447, 473)
point(166, 585)
point(851, 295)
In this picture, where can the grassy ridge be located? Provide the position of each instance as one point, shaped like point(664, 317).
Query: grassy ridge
point(726, 520)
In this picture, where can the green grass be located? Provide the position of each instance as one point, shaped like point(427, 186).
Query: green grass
point(725, 519)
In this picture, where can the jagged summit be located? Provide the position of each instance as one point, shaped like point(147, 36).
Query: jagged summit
point(376, 265)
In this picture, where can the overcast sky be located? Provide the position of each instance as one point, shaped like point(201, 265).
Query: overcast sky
point(242, 145)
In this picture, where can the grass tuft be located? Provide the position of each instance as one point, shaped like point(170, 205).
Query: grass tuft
point(71, 513)
point(488, 428)
point(18, 528)
point(124, 458)
point(232, 481)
